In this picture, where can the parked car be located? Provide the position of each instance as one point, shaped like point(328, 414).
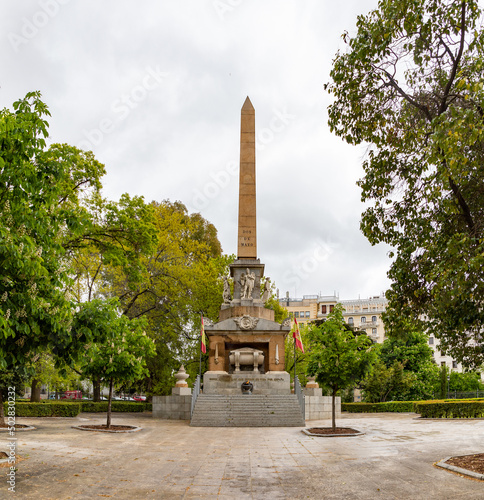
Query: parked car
point(128, 398)
point(72, 395)
point(139, 398)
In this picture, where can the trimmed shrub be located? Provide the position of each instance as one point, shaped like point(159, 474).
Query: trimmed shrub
point(117, 406)
point(147, 407)
point(45, 409)
point(450, 409)
point(389, 406)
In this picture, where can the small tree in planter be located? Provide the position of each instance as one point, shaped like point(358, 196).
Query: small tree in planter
point(338, 357)
point(122, 357)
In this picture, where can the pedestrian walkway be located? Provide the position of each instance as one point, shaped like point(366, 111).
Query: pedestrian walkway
point(170, 459)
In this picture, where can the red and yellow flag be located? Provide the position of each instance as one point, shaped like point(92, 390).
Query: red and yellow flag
point(203, 339)
point(297, 337)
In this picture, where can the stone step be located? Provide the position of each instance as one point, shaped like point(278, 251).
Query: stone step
point(255, 410)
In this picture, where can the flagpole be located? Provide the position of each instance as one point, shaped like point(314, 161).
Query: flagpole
point(295, 362)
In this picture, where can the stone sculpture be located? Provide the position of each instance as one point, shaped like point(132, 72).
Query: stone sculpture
point(247, 282)
point(227, 295)
point(267, 291)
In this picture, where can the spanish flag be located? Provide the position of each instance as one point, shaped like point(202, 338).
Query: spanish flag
point(297, 337)
point(203, 339)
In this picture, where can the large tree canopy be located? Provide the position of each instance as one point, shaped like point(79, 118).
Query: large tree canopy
point(40, 192)
point(410, 86)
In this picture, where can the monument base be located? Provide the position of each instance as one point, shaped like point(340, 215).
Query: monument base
point(225, 383)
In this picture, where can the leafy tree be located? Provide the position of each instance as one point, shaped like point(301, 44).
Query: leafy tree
point(465, 382)
point(40, 191)
point(382, 381)
point(182, 279)
point(338, 357)
point(121, 357)
point(410, 86)
point(405, 370)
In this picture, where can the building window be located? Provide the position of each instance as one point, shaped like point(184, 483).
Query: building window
point(363, 319)
point(350, 321)
point(331, 309)
point(373, 319)
point(454, 364)
point(442, 363)
point(296, 314)
point(307, 314)
point(323, 309)
point(301, 314)
point(431, 341)
point(373, 331)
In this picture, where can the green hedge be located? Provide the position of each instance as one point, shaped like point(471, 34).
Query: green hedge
point(45, 409)
point(390, 406)
point(450, 409)
point(117, 406)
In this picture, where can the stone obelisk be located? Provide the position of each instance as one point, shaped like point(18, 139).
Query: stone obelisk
point(247, 235)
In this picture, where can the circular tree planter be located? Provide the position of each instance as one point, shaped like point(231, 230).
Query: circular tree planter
point(103, 428)
point(18, 427)
point(329, 432)
point(466, 465)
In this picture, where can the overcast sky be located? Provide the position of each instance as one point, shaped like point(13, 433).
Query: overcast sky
point(155, 88)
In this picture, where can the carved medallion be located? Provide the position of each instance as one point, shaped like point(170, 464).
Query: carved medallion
point(286, 322)
point(246, 322)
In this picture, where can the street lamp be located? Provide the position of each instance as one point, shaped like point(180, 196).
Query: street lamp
point(448, 385)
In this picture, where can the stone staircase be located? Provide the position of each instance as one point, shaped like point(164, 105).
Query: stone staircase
point(254, 410)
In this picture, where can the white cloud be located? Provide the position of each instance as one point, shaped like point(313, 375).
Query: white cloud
point(183, 132)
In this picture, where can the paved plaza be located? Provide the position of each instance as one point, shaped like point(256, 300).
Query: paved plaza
point(170, 459)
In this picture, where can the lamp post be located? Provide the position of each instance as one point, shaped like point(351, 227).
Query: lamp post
point(448, 385)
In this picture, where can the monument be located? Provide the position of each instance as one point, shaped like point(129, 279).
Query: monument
point(246, 344)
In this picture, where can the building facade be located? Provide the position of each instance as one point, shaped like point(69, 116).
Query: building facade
point(363, 314)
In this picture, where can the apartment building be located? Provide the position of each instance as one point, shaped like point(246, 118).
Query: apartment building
point(363, 314)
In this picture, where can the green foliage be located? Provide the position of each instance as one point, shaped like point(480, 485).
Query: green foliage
point(338, 357)
point(40, 204)
point(404, 370)
point(391, 406)
point(450, 409)
point(410, 86)
point(47, 409)
point(465, 382)
point(121, 355)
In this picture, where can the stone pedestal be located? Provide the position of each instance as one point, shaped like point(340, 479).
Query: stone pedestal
point(319, 407)
point(178, 405)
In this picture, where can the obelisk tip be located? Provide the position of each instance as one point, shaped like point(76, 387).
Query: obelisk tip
point(247, 107)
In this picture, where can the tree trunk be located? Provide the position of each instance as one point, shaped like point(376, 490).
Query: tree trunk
point(108, 422)
point(35, 394)
point(96, 389)
point(333, 409)
point(2, 412)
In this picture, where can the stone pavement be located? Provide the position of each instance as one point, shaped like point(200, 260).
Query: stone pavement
point(169, 459)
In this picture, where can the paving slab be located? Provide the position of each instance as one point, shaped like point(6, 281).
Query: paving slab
point(394, 459)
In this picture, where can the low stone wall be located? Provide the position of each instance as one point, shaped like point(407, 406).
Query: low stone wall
point(174, 407)
point(319, 407)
